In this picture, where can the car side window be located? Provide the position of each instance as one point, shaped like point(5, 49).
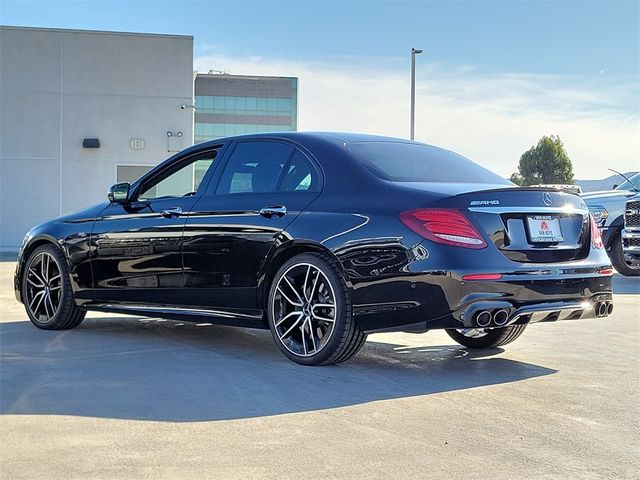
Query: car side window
point(254, 167)
point(300, 175)
point(179, 183)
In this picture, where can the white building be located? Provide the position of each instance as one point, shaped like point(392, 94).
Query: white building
point(63, 92)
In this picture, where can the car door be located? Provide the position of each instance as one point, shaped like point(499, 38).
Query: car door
point(263, 186)
point(136, 246)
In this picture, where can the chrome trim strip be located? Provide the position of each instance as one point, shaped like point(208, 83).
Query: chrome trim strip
point(168, 309)
point(568, 209)
point(553, 307)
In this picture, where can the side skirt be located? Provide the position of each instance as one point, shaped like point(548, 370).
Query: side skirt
point(234, 318)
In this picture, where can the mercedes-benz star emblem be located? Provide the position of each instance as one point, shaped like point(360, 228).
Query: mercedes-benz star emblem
point(546, 198)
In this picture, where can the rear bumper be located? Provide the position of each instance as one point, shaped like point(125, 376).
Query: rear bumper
point(442, 300)
point(503, 313)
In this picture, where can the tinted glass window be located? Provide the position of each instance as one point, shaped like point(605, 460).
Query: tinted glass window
point(632, 184)
point(300, 176)
point(184, 181)
point(254, 167)
point(409, 162)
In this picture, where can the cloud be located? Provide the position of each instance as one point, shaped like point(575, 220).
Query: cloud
point(491, 117)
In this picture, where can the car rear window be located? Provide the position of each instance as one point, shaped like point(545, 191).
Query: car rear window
point(411, 162)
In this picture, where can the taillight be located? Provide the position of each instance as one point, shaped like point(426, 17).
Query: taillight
point(596, 238)
point(447, 226)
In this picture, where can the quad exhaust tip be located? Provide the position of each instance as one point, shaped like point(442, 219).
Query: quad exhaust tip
point(603, 309)
point(488, 318)
point(483, 319)
point(501, 317)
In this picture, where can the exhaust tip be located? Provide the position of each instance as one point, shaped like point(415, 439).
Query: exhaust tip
point(609, 308)
point(602, 309)
point(483, 318)
point(501, 317)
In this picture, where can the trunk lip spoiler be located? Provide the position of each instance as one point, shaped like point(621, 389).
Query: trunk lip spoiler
point(566, 209)
point(528, 188)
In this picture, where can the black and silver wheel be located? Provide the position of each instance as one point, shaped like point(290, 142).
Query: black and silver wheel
point(623, 263)
point(486, 337)
point(310, 314)
point(46, 289)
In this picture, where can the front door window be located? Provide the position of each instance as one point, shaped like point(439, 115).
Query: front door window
point(180, 183)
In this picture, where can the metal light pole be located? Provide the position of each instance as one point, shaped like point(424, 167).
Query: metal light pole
point(414, 52)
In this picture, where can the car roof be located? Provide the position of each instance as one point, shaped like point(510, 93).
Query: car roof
point(341, 137)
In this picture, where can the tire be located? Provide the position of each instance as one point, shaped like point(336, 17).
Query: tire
point(617, 259)
point(310, 313)
point(47, 294)
point(492, 338)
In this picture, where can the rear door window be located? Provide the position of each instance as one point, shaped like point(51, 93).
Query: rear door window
point(254, 167)
point(300, 175)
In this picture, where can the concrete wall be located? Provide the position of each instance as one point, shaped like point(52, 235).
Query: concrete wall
point(58, 87)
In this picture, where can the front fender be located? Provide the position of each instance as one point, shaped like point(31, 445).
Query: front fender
point(32, 240)
point(611, 232)
point(71, 233)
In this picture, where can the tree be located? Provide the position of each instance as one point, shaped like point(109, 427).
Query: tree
point(516, 178)
point(545, 163)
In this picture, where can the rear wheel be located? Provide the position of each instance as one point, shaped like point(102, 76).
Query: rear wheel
point(47, 294)
point(621, 263)
point(486, 337)
point(310, 313)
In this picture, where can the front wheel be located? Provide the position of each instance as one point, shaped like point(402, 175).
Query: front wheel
point(486, 337)
point(310, 314)
point(619, 261)
point(46, 289)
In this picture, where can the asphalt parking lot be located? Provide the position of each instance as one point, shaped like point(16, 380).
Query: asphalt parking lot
point(143, 398)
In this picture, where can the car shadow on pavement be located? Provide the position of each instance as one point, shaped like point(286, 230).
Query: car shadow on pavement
point(148, 369)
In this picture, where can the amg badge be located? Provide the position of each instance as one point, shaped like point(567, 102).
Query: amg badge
point(484, 202)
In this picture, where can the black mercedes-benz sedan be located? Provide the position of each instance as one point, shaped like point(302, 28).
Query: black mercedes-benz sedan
point(322, 238)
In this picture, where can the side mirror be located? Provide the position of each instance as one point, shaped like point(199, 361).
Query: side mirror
point(614, 186)
point(119, 193)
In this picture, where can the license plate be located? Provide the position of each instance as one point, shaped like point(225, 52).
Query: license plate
point(544, 229)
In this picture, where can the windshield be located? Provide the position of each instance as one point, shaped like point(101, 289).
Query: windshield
point(411, 162)
point(635, 182)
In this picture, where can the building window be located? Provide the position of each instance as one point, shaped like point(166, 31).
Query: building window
point(225, 106)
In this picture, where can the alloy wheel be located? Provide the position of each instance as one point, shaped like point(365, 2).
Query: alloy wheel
point(472, 332)
point(304, 309)
point(44, 287)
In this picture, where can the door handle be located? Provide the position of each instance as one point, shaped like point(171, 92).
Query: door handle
point(172, 212)
point(277, 210)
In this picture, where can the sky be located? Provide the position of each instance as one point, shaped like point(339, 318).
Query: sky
point(494, 76)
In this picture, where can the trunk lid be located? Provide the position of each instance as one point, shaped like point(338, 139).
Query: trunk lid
point(529, 224)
